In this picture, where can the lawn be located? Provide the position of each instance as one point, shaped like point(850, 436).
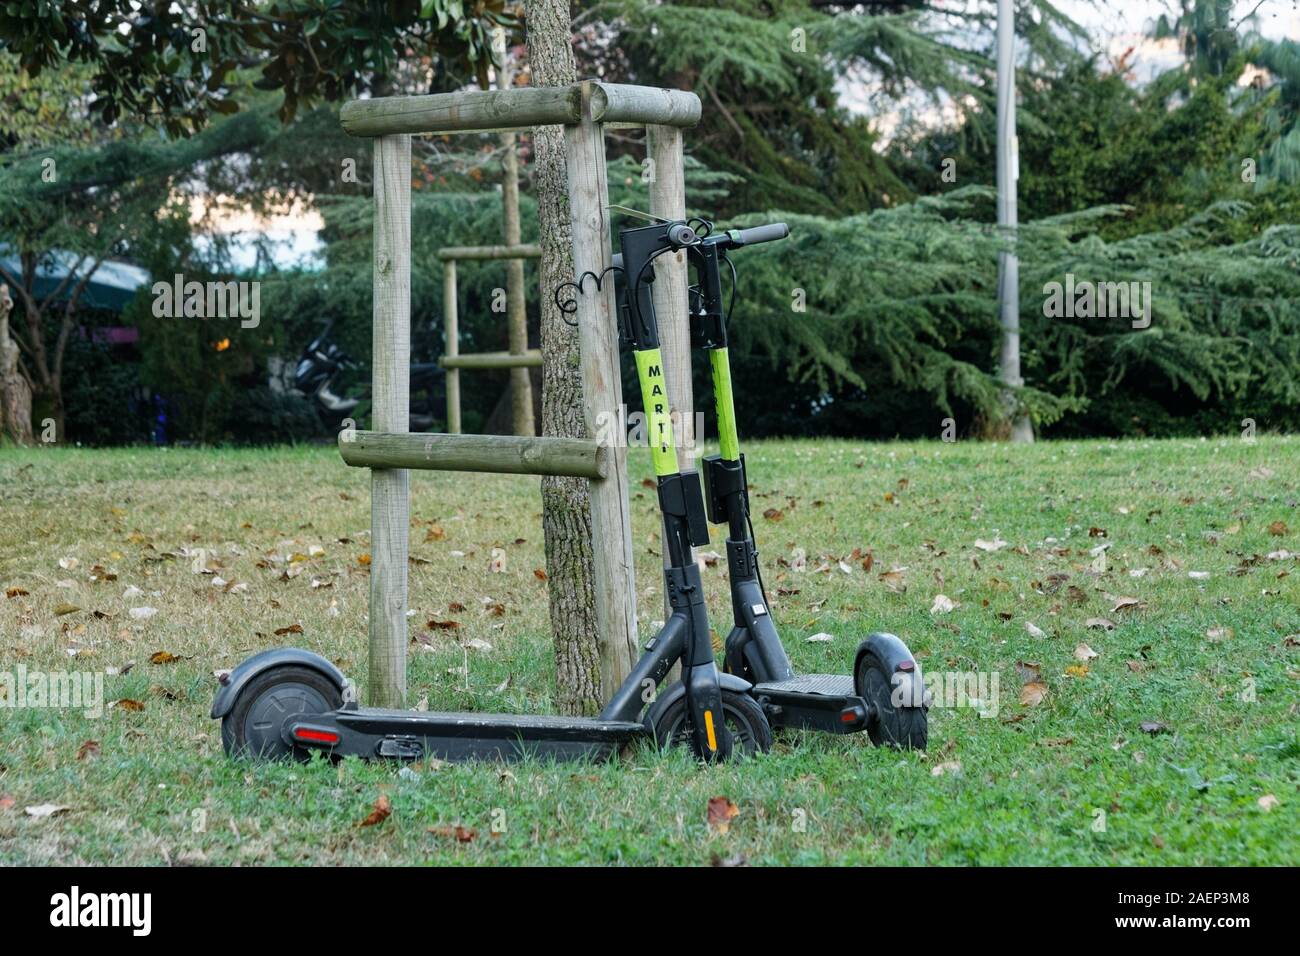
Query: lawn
point(1136, 601)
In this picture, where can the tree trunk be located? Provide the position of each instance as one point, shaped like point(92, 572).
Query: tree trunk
point(15, 393)
point(566, 503)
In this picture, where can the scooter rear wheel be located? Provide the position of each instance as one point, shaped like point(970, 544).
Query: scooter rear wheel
point(750, 731)
point(252, 728)
point(904, 728)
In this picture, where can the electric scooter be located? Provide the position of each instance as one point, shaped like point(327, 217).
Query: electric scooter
point(885, 693)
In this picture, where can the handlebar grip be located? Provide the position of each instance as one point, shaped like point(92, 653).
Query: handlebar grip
point(756, 234)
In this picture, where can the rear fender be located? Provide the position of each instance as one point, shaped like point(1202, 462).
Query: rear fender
point(903, 670)
point(237, 679)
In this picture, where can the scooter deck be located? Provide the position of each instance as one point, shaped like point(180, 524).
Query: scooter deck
point(412, 735)
point(825, 702)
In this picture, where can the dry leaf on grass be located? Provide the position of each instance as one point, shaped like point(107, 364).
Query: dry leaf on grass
point(1084, 653)
point(1267, 802)
point(721, 812)
point(89, 748)
point(1216, 634)
point(44, 810)
point(1126, 603)
point(1028, 670)
point(1034, 630)
point(894, 581)
point(1099, 623)
point(454, 832)
point(948, 766)
point(381, 812)
point(1033, 693)
point(943, 604)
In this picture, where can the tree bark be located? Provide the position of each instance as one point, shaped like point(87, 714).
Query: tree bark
point(566, 503)
point(15, 393)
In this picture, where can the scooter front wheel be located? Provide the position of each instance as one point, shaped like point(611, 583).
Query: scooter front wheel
point(750, 731)
point(253, 726)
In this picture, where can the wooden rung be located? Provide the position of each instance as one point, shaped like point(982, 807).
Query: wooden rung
point(524, 251)
point(499, 454)
point(488, 360)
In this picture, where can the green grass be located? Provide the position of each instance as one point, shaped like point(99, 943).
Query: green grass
point(1025, 786)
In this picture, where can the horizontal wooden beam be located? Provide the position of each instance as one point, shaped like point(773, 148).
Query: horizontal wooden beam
point(524, 251)
point(625, 105)
point(467, 111)
point(488, 360)
point(463, 112)
point(498, 454)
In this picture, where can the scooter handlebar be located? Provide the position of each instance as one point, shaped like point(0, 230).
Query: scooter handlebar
point(755, 234)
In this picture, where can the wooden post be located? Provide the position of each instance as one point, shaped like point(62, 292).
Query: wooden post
point(611, 537)
point(668, 201)
point(390, 412)
point(451, 327)
point(521, 387)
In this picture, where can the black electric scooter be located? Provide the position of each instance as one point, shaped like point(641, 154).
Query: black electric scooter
point(289, 702)
point(885, 693)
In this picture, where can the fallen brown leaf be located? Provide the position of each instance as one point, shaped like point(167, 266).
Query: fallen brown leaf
point(381, 812)
point(457, 832)
point(88, 749)
point(1033, 693)
point(721, 812)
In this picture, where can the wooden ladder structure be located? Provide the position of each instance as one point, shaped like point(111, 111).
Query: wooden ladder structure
point(452, 358)
point(389, 450)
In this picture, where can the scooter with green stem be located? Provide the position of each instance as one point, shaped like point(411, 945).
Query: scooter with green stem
point(884, 694)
